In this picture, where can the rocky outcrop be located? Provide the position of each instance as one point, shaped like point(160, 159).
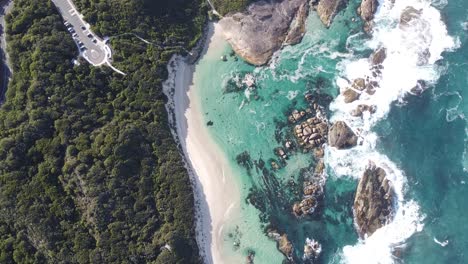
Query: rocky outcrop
point(305, 207)
point(327, 9)
point(367, 9)
point(297, 28)
point(352, 93)
point(312, 132)
point(284, 245)
point(341, 136)
point(360, 109)
point(373, 201)
point(378, 56)
point(312, 250)
point(270, 22)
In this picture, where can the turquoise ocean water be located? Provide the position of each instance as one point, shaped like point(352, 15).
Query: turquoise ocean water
point(422, 138)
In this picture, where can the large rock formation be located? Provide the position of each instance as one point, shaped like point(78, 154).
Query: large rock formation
point(327, 9)
point(341, 136)
point(297, 28)
point(263, 28)
point(373, 201)
point(367, 9)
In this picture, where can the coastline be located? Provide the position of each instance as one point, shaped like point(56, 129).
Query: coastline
point(215, 190)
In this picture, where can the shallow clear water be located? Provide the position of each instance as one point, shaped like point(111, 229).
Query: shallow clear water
point(422, 137)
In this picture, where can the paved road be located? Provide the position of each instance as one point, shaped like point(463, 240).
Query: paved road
point(96, 53)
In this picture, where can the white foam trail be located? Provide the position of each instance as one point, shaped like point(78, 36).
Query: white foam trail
point(412, 52)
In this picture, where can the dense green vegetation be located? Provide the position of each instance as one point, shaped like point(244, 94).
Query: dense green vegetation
point(226, 6)
point(89, 172)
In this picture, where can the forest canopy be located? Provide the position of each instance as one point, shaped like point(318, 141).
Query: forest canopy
point(89, 171)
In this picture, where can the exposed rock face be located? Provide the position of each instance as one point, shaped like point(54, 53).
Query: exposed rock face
point(297, 28)
point(341, 136)
point(269, 22)
point(367, 9)
point(327, 9)
point(373, 201)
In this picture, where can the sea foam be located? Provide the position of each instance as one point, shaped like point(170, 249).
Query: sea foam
point(413, 51)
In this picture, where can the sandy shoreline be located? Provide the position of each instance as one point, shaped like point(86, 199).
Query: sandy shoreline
point(216, 192)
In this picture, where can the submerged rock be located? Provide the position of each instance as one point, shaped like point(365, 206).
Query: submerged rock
point(360, 109)
point(327, 9)
point(270, 22)
point(408, 15)
point(341, 136)
point(312, 250)
point(373, 201)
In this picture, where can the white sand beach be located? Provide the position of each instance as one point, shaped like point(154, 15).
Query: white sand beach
point(216, 192)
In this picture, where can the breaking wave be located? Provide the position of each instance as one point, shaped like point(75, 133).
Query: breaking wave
point(414, 37)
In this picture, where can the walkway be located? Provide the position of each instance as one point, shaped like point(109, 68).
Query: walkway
point(91, 47)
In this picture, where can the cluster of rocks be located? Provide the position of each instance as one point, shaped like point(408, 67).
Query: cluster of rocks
point(367, 85)
point(311, 125)
point(312, 191)
point(312, 248)
point(311, 133)
point(373, 203)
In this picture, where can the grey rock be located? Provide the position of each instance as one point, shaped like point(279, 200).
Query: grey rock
point(263, 28)
point(327, 9)
point(367, 9)
point(297, 28)
point(341, 136)
point(350, 95)
point(373, 201)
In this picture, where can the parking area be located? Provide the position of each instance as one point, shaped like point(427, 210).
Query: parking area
point(91, 47)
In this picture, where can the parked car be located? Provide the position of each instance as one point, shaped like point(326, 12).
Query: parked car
point(83, 27)
point(90, 35)
point(95, 40)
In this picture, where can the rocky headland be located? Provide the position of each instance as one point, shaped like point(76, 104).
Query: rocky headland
point(264, 27)
point(373, 203)
point(275, 23)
